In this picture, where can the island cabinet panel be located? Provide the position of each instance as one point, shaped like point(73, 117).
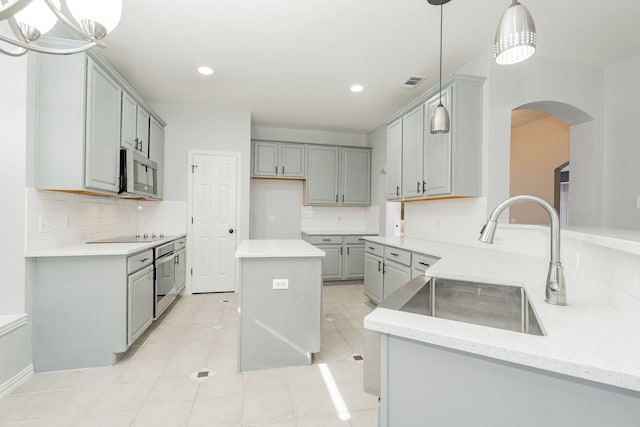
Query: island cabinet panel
point(424, 384)
point(279, 327)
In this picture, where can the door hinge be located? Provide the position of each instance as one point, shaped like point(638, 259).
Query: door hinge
point(193, 168)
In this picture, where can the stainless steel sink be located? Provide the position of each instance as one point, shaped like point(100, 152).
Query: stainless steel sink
point(496, 306)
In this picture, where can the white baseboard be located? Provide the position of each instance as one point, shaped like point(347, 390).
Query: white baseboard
point(16, 381)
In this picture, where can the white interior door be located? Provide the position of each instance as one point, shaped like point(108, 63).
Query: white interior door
point(214, 216)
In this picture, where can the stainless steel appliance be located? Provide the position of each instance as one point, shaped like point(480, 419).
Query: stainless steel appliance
point(138, 175)
point(165, 268)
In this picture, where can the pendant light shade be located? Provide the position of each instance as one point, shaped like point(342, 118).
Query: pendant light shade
point(516, 35)
point(439, 122)
point(36, 19)
point(104, 12)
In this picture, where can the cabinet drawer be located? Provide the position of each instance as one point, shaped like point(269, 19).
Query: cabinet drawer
point(398, 255)
point(179, 243)
point(354, 240)
point(422, 262)
point(325, 240)
point(374, 248)
point(138, 261)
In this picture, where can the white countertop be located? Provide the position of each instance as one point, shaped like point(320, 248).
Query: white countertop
point(587, 339)
point(99, 249)
point(329, 232)
point(277, 249)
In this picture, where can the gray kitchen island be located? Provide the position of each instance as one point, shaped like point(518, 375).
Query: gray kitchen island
point(280, 303)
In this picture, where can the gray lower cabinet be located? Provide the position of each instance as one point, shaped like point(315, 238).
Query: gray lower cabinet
point(373, 277)
point(424, 384)
point(140, 298)
point(344, 258)
point(387, 268)
point(89, 309)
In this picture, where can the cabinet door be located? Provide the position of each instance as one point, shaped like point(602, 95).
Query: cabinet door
point(394, 160)
point(128, 125)
point(437, 150)
point(412, 142)
point(142, 131)
point(102, 130)
point(354, 262)
point(373, 277)
point(292, 159)
point(332, 262)
point(181, 270)
point(322, 175)
point(356, 177)
point(140, 303)
point(395, 275)
point(156, 152)
point(265, 159)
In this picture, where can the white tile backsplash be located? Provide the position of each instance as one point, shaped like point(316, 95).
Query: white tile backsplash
point(57, 219)
point(333, 218)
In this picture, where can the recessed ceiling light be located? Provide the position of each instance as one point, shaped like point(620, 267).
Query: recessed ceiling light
point(207, 71)
point(357, 88)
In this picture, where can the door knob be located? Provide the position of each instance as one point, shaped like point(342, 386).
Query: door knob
point(231, 230)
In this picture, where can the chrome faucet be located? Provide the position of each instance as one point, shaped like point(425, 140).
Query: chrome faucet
point(556, 291)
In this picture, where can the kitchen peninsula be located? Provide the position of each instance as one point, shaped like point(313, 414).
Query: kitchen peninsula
point(280, 303)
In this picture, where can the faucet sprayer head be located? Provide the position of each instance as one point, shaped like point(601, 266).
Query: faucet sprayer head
point(488, 231)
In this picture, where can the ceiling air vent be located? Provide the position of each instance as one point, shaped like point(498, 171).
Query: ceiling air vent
point(412, 82)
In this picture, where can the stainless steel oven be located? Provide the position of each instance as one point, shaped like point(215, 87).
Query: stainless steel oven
point(165, 268)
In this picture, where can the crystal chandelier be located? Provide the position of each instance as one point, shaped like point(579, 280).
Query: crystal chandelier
point(87, 20)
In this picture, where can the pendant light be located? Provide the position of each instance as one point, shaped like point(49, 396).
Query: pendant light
point(440, 120)
point(86, 20)
point(516, 35)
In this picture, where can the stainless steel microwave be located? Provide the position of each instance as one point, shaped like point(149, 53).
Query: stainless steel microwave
point(138, 175)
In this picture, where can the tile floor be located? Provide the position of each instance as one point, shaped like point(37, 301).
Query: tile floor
point(156, 383)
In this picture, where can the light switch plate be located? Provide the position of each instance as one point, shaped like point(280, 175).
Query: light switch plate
point(280, 283)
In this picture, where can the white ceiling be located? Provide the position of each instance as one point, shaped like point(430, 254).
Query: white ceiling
point(291, 62)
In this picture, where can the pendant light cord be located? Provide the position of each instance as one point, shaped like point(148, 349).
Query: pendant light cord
point(440, 103)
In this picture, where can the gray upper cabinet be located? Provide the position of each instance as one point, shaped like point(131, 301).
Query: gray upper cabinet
point(439, 165)
point(278, 160)
point(338, 176)
point(156, 151)
point(102, 130)
point(394, 160)
point(437, 151)
point(135, 126)
point(322, 175)
point(79, 101)
point(412, 143)
point(78, 123)
point(355, 177)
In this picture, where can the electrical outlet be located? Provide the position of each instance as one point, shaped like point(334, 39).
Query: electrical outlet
point(43, 225)
point(280, 283)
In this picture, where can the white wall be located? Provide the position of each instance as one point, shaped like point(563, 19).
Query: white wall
point(309, 136)
point(277, 200)
point(13, 128)
point(205, 129)
point(622, 155)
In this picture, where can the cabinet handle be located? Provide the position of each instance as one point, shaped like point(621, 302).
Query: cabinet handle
point(347, 250)
point(326, 240)
point(424, 185)
point(343, 198)
point(360, 239)
point(392, 253)
point(423, 263)
point(397, 190)
point(276, 170)
point(384, 268)
point(372, 248)
point(336, 198)
point(144, 259)
point(379, 266)
point(282, 170)
point(176, 260)
point(340, 250)
point(418, 187)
